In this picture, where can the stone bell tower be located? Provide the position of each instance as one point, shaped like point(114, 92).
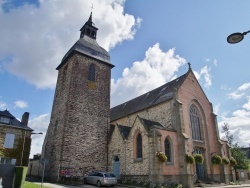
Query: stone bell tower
point(76, 138)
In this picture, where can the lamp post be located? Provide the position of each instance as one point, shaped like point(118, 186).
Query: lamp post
point(24, 144)
point(236, 37)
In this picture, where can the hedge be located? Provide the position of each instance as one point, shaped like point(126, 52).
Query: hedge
point(20, 175)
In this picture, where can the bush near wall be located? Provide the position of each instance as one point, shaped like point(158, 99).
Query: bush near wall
point(198, 158)
point(225, 160)
point(189, 159)
point(216, 160)
point(20, 175)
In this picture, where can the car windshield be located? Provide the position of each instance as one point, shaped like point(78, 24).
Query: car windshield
point(109, 175)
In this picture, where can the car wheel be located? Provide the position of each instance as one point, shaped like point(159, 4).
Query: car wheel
point(85, 181)
point(99, 184)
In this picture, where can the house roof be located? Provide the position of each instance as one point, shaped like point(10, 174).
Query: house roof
point(151, 98)
point(148, 124)
point(6, 113)
point(124, 130)
point(14, 122)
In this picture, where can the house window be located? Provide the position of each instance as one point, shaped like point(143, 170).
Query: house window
point(139, 146)
point(196, 121)
point(5, 120)
point(167, 145)
point(91, 73)
point(9, 140)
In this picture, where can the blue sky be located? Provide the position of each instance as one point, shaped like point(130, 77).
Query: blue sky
point(150, 43)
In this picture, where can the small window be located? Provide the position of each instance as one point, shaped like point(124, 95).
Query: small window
point(139, 146)
point(88, 31)
point(9, 140)
point(93, 34)
point(91, 73)
point(167, 146)
point(5, 120)
point(99, 174)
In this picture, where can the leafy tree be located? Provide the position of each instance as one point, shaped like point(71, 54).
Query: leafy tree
point(1, 147)
point(237, 153)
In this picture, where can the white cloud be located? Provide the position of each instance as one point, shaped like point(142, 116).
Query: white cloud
point(239, 123)
point(3, 105)
point(217, 108)
point(247, 105)
point(204, 76)
point(20, 104)
point(240, 92)
point(244, 86)
point(154, 70)
point(214, 61)
point(38, 124)
point(35, 38)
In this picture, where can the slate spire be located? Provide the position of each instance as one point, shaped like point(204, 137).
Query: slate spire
point(89, 29)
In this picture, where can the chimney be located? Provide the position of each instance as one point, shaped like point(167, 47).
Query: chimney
point(25, 118)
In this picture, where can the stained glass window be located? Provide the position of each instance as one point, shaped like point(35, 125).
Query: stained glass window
point(196, 125)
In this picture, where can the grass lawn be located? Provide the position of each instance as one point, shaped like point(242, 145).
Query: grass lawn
point(32, 185)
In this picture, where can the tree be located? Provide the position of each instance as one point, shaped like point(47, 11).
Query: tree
point(237, 153)
point(1, 147)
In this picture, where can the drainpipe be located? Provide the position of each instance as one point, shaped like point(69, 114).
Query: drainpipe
point(125, 166)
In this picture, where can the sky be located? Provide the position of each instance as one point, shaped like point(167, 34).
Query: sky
point(150, 43)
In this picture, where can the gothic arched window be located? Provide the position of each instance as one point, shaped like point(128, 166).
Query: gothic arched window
point(139, 146)
point(196, 123)
point(91, 73)
point(167, 146)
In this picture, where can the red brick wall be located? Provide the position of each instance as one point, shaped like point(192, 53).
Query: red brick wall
point(191, 93)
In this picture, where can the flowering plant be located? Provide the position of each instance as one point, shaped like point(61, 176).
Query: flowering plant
point(225, 160)
point(198, 158)
point(189, 159)
point(216, 160)
point(161, 156)
point(233, 162)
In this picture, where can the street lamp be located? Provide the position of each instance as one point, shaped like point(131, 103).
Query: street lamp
point(37, 133)
point(24, 144)
point(236, 37)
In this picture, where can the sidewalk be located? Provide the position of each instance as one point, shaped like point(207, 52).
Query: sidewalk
point(55, 185)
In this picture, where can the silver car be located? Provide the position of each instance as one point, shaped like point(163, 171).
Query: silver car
point(100, 178)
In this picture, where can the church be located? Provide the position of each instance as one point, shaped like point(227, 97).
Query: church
point(84, 134)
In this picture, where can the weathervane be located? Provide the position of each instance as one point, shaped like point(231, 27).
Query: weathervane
point(92, 7)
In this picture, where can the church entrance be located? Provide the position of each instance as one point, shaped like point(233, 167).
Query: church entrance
point(116, 166)
point(199, 167)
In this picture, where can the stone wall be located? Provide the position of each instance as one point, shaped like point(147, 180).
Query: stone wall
point(160, 113)
point(16, 151)
point(134, 166)
point(77, 134)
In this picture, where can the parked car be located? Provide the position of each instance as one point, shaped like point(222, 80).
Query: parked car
point(100, 178)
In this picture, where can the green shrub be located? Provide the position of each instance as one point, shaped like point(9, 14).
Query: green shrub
point(189, 159)
point(198, 158)
point(225, 160)
point(161, 156)
point(233, 162)
point(21, 172)
point(216, 160)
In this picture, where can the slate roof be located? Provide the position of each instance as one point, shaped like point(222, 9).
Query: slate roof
point(14, 122)
point(151, 98)
point(124, 130)
point(148, 124)
point(89, 47)
point(6, 113)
